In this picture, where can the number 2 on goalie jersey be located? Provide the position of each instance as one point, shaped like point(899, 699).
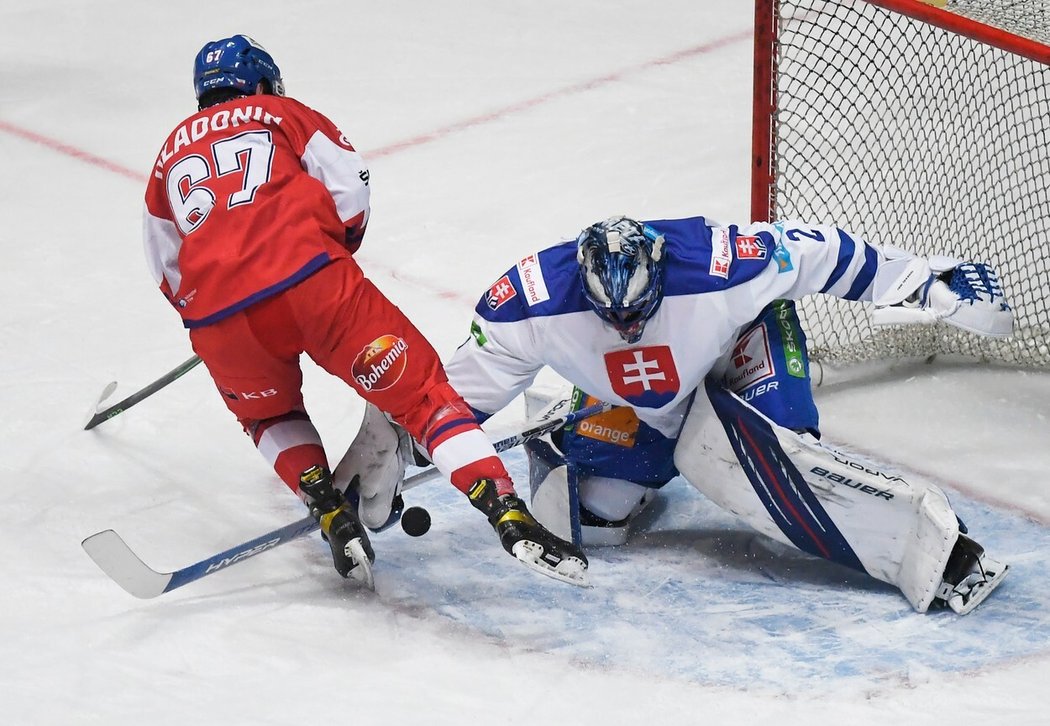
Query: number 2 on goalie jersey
point(191, 196)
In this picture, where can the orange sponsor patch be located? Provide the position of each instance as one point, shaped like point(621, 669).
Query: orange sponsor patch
point(617, 426)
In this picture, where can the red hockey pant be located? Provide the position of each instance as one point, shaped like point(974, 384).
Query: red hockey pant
point(350, 329)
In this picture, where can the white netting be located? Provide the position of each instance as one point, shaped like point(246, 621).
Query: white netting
point(916, 136)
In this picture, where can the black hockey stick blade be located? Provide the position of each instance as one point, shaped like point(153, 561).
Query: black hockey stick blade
point(97, 416)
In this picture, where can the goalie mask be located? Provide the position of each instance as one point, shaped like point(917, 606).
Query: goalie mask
point(621, 265)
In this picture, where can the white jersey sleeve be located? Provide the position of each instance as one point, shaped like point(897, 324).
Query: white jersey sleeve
point(494, 365)
point(811, 259)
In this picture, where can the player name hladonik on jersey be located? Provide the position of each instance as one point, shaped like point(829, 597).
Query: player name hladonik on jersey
point(232, 178)
point(717, 280)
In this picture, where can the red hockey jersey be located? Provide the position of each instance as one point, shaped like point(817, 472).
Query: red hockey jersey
point(246, 199)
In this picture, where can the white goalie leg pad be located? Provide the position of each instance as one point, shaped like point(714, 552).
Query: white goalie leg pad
point(554, 498)
point(815, 498)
point(556, 492)
point(377, 456)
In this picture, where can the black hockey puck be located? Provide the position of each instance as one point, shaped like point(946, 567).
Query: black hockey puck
point(415, 521)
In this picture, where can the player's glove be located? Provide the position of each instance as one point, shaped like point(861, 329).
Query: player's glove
point(911, 290)
point(525, 538)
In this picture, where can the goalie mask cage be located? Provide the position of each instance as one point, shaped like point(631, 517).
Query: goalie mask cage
point(924, 125)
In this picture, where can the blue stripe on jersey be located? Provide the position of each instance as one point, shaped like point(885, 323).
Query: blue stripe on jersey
point(867, 274)
point(561, 277)
point(294, 279)
point(687, 250)
point(782, 489)
point(847, 247)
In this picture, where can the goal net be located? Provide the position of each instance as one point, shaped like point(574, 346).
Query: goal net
point(925, 125)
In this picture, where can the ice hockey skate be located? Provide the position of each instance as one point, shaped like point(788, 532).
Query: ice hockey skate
point(525, 538)
point(352, 553)
point(969, 577)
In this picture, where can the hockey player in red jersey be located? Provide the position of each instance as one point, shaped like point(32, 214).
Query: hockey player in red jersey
point(253, 211)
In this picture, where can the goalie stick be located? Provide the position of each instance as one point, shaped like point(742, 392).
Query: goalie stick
point(120, 563)
point(96, 416)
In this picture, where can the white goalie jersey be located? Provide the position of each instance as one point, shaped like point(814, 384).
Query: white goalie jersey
point(717, 279)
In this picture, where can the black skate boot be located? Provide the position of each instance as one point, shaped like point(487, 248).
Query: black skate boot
point(525, 538)
point(969, 577)
point(351, 551)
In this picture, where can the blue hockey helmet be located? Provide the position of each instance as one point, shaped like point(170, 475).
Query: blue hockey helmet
point(238, 63)
point(621, 265)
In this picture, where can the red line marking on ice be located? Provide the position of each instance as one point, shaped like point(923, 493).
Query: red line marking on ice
point(574, 89)
point(70, 150)
point(422, 139)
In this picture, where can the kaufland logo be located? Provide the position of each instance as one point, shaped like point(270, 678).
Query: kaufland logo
point(532, 281)
point(721, 254)
point(381, 363)
point(752, 360)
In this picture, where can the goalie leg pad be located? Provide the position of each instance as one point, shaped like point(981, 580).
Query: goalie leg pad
point(557, 491)
point(554, 495)
point(815, 498)
point(571, 501)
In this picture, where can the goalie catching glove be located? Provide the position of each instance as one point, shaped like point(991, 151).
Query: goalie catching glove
point(525, 538)
point(967, 295)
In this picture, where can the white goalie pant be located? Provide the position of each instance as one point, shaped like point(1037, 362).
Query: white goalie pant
point(815, 498)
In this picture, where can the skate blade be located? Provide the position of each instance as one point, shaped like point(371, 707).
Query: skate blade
point(980, 591)
point(571, 570)
point(362, 571)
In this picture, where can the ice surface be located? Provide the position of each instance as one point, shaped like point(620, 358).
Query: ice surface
point(492, 129)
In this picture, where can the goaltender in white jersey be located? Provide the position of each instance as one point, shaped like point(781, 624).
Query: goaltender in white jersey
point(688, 328)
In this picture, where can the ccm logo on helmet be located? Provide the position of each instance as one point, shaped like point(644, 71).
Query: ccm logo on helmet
point(381, 363)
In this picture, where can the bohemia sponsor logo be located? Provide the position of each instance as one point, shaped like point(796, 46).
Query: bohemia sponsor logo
point(532, 280)
point(381, 363)
point(643, 376)
point(750, 248)
point(752, 360)
point(721, 254)
point(500, 293)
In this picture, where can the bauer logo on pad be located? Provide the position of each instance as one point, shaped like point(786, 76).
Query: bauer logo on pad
point(532, 281)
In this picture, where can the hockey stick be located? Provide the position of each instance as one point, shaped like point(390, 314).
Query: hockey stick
point(124, 567)
point(96, 416)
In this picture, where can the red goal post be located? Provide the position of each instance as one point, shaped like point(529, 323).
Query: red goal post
point(925, 125)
